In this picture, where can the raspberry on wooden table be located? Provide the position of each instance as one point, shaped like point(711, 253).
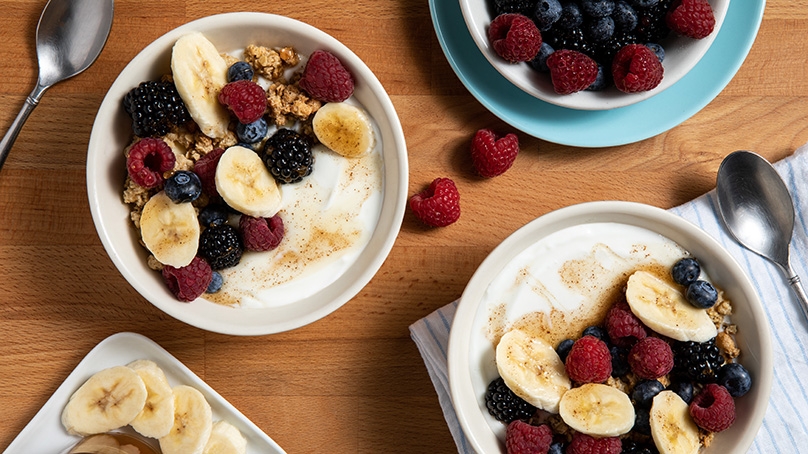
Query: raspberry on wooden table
point(586, 444)
point(713, 408)
point(514, 37)
point(651, 358)
point(148, 159)
point(261, 234)
point(493, 155)
point(326, 79)
point(589, 361)
point(636, 68)
point(438, 205)
point(523, 438)
point(188, 282)
point(571, 71)
point(246, 99)
point(693, 18)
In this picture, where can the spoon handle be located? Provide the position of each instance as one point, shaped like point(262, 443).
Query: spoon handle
point(796, 285)
point(11, 135)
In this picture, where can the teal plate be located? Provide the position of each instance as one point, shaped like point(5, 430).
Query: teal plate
point(601, 128)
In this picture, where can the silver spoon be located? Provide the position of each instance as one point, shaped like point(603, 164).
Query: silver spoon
point(758, 211)
point(69, 37)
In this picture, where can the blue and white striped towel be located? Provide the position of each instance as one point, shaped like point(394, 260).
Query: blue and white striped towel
point(785, 426)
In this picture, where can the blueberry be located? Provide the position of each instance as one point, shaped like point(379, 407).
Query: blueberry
point(539, 63)
point(684, 389)
point(620, 366)
point(240, 70)
point(645, 392)
point(642, 421)
point(735, 378)
point(547, 13)
point(597, 8)
point(625, 18)
point(216, 282)
point(556, 448)
point(686, 270)
point(644, 3)
point(213, 215)
point(658, 50)
point(563, 349)
point(183, 186)
point(701, 294)
point(597, 331)
point(253, 132)
point(601, 81)
point(600, 29)
point(571, 17)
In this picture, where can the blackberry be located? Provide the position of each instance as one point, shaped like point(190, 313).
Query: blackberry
point(525, 7)
point(288, 157)
point(572, 39)
point(504, 405)
point(221, 246)
point(696, 361)
point(651, 27)
point(155, 107)
point(605, 51)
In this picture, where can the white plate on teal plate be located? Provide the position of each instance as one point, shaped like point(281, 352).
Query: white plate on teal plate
point(598, 128)
point(45, 434)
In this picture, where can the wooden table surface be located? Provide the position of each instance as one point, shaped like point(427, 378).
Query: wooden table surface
point(353, 381)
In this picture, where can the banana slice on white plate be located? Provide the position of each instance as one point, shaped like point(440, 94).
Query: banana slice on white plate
point(598, 410)
point(665, 309)
point(108, 400)
point(672, 428)
point(344, 128)
point(157, 416)
point(193, 423)
point(532, 369)
point(170, 230)
point(199, 73)
point(244, 182)
point(225, 438)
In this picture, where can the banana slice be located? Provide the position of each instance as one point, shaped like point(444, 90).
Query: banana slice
point(532, 369)
point(109, 399)
point(672, 428)
point(598, 410)
point(225, 439)
point(157, 416)
point(199, 75)
point(344, 128)
point(665, 310)
point(170, 230)
point(193, 422)
point(245, 184)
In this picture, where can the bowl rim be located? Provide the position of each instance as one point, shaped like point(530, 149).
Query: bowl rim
point(217, 318)
point(611, 98)
point(471, 419)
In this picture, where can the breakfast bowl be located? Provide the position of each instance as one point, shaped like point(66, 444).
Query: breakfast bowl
point(681, 54)
point(559, 275)
point(255, 299)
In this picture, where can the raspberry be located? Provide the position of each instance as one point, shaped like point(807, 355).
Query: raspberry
point(589, 361)
point(246, 99)
point(188, 282)
point(624, 328)
point(636, 68)
point(205, 169)
point(523, 438)
point(438, 205)
point(713, 408)
point(651, 358)
point(571, 71)
point(148, 159)
point(491, 155)
point(693, 18)
point(585, 444)
point(261, 234)
point(326, 79)
point(514, 37)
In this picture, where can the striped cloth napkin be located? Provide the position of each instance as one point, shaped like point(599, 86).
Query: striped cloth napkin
point(785, 426)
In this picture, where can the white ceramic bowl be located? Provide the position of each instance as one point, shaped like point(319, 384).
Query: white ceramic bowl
point(106, 172)
point(471, 353)
point(681, 55)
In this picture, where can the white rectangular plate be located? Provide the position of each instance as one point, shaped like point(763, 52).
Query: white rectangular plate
point(45, 432)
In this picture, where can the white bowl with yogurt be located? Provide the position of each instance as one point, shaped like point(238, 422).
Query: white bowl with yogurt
point(569, 264)
point(263, 298)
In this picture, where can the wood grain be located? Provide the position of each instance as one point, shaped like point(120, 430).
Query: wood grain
point(353, 381)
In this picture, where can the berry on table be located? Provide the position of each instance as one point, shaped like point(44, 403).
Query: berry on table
point(514, 37)
point(713, 408)
point(571, 71)
point(636, 68)
point(245, 98)
point(183, 186)
point(288, 156)
point(261, 234)
point(155, 107)
point(701, 294)
point(221, 246)
point(735, 378)
point(438, 205)
point(651, 358)
point(685, 271)
point(586, 444)
point(504, 405)
point(523, 438)
point(240, 70)
point(326, 79)
point(188, 282)
point(493, 155)
point(589, 361)
point(693, 18)
point(147, 160)
point(252, 132)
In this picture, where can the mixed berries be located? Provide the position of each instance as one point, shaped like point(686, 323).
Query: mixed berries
point(707, 380)
point(597, 31)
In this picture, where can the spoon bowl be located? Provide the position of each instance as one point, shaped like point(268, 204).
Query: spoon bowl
point(69, 38)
